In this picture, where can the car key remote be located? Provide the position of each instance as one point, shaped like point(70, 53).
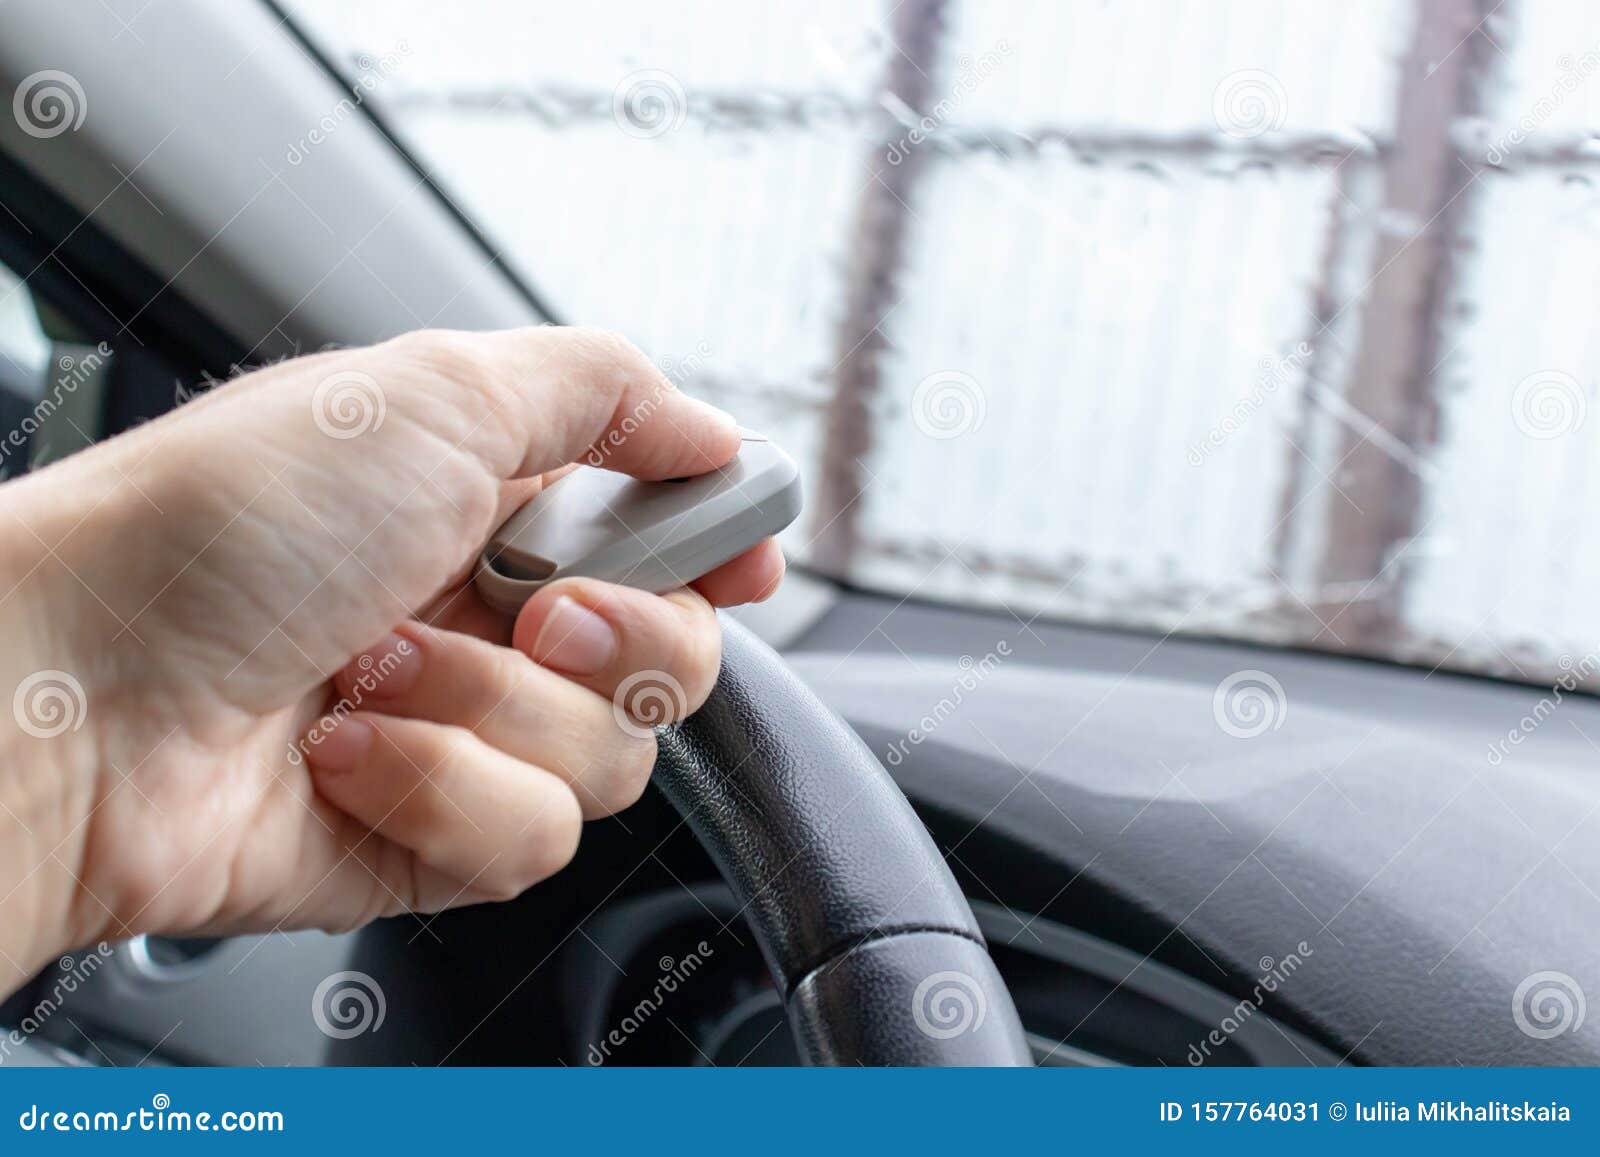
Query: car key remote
point(653, 536)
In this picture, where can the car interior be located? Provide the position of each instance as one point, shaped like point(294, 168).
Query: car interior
point(1161, 836)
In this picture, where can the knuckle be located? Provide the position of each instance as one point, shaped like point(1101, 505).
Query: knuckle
point(457, 357)
point(610, 360)
point(464, 495)
point(629, 775)
point(454, 384)
point(699, 660)
point(552, 837)
point(540, 850)
point(435, 842)
point(445, 350)
point(447, 765)
point(499, 887)
point(603, 346)
point(502, 672)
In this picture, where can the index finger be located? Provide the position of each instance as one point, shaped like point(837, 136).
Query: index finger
point(750, 578)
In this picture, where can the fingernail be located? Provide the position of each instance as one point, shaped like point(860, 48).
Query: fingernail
point(334, 745)
point(386, 669)
point(574, 639)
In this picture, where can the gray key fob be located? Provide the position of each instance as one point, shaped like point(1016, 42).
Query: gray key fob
point(654, 536)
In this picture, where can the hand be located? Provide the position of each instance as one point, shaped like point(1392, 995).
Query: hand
point(254, 688)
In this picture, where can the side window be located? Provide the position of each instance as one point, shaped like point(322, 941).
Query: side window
point(53, 382)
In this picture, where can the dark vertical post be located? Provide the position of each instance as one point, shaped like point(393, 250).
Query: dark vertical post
point(876, 256)
point(1392, 380)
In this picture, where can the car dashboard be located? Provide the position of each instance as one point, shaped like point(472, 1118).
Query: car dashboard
point(1156, 888)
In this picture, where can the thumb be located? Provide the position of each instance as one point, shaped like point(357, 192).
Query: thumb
point(529, 400)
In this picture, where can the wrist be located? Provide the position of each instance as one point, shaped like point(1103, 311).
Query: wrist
point(41, 856)
point(47, 750)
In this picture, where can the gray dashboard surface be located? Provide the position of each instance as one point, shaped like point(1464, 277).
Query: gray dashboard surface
point(1428, 884)
point(1446, 898)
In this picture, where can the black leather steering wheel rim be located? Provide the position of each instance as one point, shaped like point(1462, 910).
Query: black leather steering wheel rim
point(875, 949)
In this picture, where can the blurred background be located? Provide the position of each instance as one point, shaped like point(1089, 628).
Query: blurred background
point(1234, 317)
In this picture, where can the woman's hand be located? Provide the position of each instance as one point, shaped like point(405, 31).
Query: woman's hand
point(253, 686)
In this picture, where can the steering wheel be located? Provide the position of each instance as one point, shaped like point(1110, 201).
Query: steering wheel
point(874, 947)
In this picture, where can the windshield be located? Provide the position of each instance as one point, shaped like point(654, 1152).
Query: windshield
point(1249, 318)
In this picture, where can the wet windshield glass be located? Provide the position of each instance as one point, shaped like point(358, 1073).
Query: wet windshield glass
point(1257, 319)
